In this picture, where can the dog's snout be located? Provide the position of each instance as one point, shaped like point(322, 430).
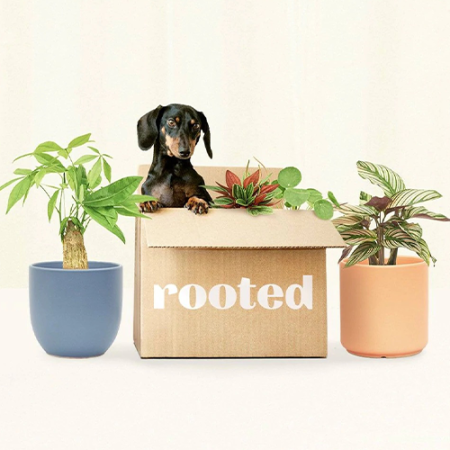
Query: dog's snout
point(184, 152)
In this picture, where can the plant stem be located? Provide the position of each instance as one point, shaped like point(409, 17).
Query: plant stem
point(380, 243)
point(393, 257)
point(74, 251)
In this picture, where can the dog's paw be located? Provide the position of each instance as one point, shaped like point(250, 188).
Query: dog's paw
point(150, 207)
point(197, 205)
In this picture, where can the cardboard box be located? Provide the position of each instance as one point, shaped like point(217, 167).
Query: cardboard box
point(227, 284)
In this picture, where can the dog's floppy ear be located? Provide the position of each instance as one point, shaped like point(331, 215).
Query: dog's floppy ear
point(206, 134)
point(147, 128)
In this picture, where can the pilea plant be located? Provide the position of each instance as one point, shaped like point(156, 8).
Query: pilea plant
point(288, 179)
point(252, 192)
point(75, 193)
point(384, 223)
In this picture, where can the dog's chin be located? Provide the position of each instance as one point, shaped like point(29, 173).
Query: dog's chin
point(178, 156)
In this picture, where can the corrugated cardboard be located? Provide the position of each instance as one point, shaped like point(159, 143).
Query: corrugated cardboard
point(178, 248)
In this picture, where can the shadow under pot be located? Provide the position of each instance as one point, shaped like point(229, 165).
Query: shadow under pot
point(384, 309)
point(75, 313)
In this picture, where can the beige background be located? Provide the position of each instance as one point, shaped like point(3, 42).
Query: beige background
point(317, 84)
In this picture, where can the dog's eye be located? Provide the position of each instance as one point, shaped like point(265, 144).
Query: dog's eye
point(196, 126)
point(171, 123)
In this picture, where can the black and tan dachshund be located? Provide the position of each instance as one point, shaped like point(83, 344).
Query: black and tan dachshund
point(174, 131)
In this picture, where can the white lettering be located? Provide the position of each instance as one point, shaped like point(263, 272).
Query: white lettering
point(264, 295)
point(230, 296)
point(306, 294)
point(159, 296)
point(185, 296)
point(244, 293)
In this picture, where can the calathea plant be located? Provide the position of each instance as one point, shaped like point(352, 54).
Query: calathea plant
point(386, 223)
point(74, 192)
point(252, 192)
point(294, 198)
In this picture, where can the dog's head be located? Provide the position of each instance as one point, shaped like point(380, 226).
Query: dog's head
point(177, 128)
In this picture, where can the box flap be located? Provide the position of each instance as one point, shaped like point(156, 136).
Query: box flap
point(220, 228)
point(177, 227)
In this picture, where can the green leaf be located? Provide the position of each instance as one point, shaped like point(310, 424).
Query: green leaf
point(48, 146)
point(296, 197)
point(412, 229)
point(381, 176)
point(223, 201)
point(71, 176)
point(114, 194)
point(104, 222)
point(323, 209)
point(22, 171)
point(139, 199)
point(259, 210)
point(80, 140)
point(39, 176)
point(130, 211)
point(19, 191)
point(356, 237)
point(289, 177)
point(412, 196)
point(3, 186)
point(94, 173)
point(84, 159)
point(95, 150)
point(52, 204)
point(363, 252)
point(314, 196)
point(43, 158)
point(332, 199)
point(62, 227)
point(107, 170)
point(65, 152)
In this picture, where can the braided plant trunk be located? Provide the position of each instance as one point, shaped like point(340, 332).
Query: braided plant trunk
point(74, 251)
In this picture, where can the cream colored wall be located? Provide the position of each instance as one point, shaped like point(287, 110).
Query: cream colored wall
point(317, 84)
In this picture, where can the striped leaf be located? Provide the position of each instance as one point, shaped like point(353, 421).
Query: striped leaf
point(356, 237)
point(382, 176)
point(344, 228)
point(412, 229)
point(347, 220)
point(425, 252)
point(364, 197)
point(363, 252)
point(396, 238)
point(413, 196)
point(421, 212)
point(357, 210)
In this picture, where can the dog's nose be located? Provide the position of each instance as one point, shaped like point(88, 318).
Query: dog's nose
point(184, 153)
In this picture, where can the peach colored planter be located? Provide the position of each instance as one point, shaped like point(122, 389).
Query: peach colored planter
point(384, 309)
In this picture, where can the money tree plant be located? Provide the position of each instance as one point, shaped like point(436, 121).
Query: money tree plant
point(75, 193)
point(384, 224)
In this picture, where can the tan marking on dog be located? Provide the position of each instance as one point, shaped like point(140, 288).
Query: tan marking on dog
point(163, 131)
point(177, 119)
point(192, 143)
point(197, 205)
point(192, 121)
point(173, 145)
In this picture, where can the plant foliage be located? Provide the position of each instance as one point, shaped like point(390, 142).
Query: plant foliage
point(294, 198)
point(384, 223)
point(73, 190)
point(252, 192)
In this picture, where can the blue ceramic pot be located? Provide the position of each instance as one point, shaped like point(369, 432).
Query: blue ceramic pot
point(75, 313)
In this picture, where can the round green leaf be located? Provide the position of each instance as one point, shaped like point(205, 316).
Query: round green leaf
point(323, 209)
point(289, 177)
point(296, 197)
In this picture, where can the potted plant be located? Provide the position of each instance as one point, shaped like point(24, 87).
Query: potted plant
point(257, 194)
point(75, 305)
point(384, 296)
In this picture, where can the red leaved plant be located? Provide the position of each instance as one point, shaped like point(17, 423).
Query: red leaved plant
point(253, 192)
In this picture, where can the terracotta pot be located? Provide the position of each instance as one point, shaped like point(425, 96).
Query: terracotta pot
point(384, 309)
